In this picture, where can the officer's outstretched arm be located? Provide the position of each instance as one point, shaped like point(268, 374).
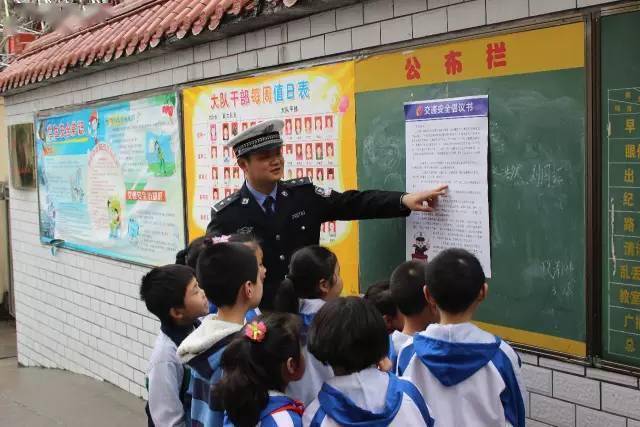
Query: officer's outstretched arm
point(353, 204)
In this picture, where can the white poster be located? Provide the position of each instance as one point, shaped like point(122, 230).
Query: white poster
point(446, 143)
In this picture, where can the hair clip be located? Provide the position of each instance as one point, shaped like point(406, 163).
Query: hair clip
point(220, 239)
point(255, 331)
point(210, 241)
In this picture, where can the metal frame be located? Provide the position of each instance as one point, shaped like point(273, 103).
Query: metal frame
point(596, 179)
point(122, 98)
point(594, 192)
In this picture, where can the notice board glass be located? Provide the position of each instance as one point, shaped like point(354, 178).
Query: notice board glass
point(110, 179)
point(537, 139)
point(620, 95)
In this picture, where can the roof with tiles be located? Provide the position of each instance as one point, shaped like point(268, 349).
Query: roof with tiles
point(126, 29)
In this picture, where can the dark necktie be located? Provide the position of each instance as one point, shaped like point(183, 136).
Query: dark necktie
point(268, 205)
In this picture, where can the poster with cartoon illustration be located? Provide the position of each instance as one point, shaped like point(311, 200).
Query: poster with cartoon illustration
point(109, 180)
point(447, 141)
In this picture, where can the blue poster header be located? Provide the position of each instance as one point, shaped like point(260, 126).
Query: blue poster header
point(448, 108)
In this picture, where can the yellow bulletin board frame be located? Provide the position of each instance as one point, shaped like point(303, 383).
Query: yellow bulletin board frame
point(338, 81)
point(569, 51)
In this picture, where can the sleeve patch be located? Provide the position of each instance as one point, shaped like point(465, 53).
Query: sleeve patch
point(324, 192)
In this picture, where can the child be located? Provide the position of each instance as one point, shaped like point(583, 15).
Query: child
point(313, 279)
point(407, 289)
point(173, 295)
point(189, 256)
point(258, 365)
point(350, 335)
point(379, 295)
point(230, 276)
point(467, 375)
point(250, 240)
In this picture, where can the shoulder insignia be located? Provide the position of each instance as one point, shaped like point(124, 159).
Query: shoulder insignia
point(324, 192)
point(226, 201)
point(297, 182)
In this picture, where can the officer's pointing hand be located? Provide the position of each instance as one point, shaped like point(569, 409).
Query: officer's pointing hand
point(424, 201)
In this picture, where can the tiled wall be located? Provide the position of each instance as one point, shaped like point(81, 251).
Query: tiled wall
point(82, 313)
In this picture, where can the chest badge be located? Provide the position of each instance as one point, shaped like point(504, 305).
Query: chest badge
point(285, 193)
point(298, 214)
point(245, 201)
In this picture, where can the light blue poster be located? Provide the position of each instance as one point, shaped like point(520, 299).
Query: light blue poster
point(110, 180)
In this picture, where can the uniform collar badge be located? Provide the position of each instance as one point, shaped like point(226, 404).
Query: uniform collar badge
point(284, 193)
point(245, 201)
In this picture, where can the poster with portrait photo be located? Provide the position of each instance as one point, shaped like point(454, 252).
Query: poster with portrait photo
point(316, 106)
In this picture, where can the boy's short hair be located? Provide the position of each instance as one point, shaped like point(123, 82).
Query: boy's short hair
point(380, 296)
point(164, 288)
point(348, 333)
point(223, 268)
point(407, 287)
point(454, 279)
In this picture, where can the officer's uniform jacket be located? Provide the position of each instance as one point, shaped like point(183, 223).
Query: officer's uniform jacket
point(300, 209)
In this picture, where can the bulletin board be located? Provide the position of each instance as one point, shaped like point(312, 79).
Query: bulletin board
point(110, 180)
point(536, 84)
point(317, 106)
point(620, 95)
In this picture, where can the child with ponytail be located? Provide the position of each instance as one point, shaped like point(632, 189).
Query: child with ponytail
point(313, 279)
point(258, 364)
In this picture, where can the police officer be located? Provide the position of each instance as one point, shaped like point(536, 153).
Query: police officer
point(287, 215)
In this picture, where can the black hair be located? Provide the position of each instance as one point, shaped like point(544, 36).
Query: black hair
point(245, 238)
point(164, 288)
point(253, 368)
point(454, 279)
point(350, 334)
point(307, 268)
point(380, 296)
point(407, 287)
point(223, 268)
point(189, 255)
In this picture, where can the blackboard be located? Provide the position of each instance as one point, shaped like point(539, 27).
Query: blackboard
point(537, 198)
point(620, 86)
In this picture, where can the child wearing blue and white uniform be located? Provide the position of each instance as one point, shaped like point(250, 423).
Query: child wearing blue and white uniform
point(189, 256)
point(171, 292)
point(407, 290)
point(467, 376)
point(379, 294)
point(230, 275)
point(258, 364)
point(313, 279)
point(361, 393)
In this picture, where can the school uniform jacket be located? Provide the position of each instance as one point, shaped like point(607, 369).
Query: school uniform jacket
point(300, 209)
point(467, 376)
point(397, 341)
point(202, 352)
point(316, 373)
point(281, 411)
point(367, 398)
point(168, 380)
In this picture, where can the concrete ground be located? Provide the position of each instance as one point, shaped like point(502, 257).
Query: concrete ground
point(34, 397)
